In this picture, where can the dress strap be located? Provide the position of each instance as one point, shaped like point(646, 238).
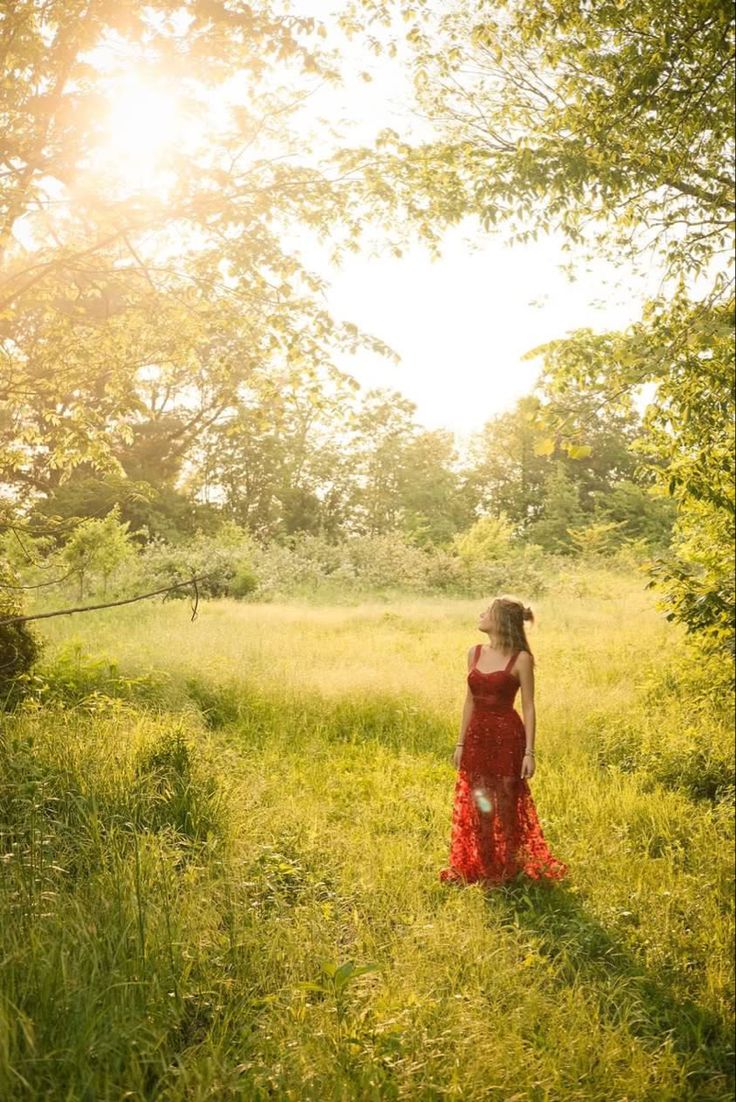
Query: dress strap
point(511, 661)
point(476, 656)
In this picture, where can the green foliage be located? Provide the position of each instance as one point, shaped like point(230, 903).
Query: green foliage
point(73, 677)
point(675, 746)
point(697, 578)
point(151, 509)
point(378, 564)
point(245, 581)
point(489, 538)
point(135, 314)
point(219, 557)
point(609, 123)
point(640, 512)
point(561, 512)
point(19, 646)
point(600, 538)
point(97, 548)
point(526, 569)
point(335, 980)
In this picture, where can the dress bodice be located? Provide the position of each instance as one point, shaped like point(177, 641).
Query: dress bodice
point(494, 690)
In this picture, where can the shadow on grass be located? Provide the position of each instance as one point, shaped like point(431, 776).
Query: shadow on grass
point(583, 952)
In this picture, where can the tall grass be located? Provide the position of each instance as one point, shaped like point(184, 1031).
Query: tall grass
point(225, 886)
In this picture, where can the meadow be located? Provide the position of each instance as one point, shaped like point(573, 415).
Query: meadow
point(221, 842)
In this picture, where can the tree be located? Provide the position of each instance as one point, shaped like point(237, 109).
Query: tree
point(506, 474)
point(382, 430)
point(121, 304)
point(597, 120)
point(97, 547)
point(511, 456)
point(433, 505)
point(274, 463)
point(686, 445)
point(561, 512)
point(488, 539)
point(642, 512)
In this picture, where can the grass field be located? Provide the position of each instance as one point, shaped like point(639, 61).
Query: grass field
point(221, 849)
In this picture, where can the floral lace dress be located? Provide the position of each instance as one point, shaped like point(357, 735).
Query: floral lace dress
point(496, 833)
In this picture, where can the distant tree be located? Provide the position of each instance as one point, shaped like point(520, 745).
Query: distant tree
point(433, 505)
point(98, 547)
point(274, 462)
point(597, 537)
point(505, 474)
point(487, 539)
point(511, 457)
point(561, 512)
point(641, 512)
point(383, 429)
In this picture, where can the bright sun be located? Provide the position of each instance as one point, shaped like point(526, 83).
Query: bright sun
point(144, 124)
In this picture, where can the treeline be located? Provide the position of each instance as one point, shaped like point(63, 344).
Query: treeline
point(335, 494)
point(359, 464)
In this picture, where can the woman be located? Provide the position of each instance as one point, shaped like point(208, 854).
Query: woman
point(495, 830)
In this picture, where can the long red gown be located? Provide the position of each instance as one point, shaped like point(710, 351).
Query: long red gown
point(496, 833)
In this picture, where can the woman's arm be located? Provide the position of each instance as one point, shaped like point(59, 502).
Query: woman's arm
point(525, 668)
point(468, 705)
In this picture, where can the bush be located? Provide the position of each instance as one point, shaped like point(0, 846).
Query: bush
point(77, 678)
point(522, 570)
point(486, 540)
point(19, 647)
point(244, 582)
point(222, 558)
point(681, 736)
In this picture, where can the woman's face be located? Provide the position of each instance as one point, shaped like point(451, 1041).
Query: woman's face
point(487, 619)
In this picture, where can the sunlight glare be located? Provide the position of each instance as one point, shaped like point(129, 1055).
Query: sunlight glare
point(144, 125)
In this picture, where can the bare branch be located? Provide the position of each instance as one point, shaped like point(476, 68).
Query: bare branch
point(109, 604)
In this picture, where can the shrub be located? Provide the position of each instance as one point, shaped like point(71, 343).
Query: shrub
point(521, 570)
point(488, 539)
point(74, 677)
point(245, 581)
point(220, 558)
point(19, 647)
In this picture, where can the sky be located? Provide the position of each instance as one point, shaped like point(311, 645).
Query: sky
point(461, 324)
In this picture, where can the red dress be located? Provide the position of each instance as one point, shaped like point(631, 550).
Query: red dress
point(495, 830)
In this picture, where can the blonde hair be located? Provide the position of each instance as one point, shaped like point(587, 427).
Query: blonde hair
point(510, 616)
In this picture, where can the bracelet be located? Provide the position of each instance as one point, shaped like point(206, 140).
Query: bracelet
point(529, 752)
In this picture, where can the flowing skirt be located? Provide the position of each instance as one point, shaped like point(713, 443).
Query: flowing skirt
point(496, 833)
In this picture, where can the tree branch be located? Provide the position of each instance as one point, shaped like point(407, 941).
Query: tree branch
point(110, 604)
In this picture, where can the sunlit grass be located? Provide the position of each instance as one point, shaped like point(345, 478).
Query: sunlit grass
point(191, 946)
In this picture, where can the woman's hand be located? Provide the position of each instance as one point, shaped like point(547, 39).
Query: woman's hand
point(527, 766)
point(457, 756)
